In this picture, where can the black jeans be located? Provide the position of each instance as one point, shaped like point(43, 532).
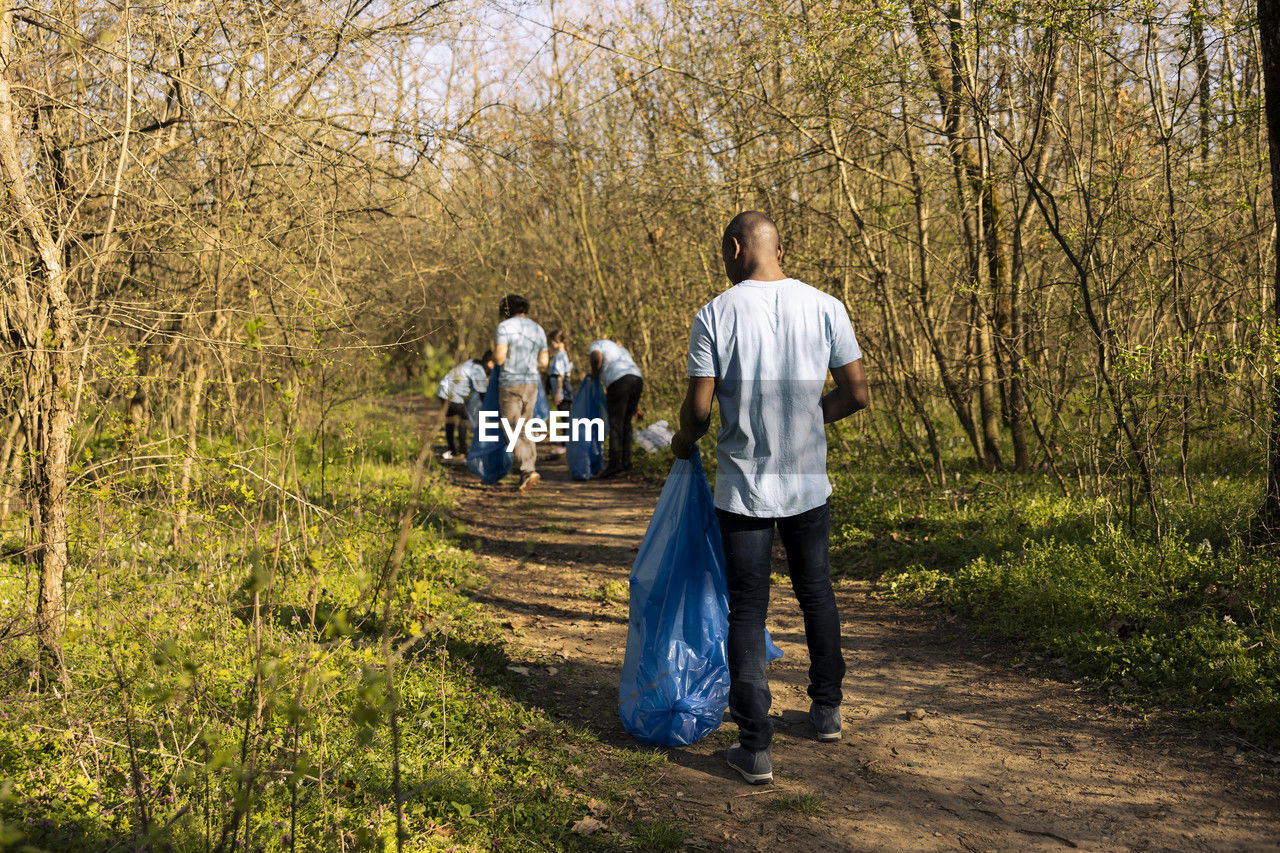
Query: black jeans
point(622, 398)
point(748, 543)
point(456, 413)
point(566, 393)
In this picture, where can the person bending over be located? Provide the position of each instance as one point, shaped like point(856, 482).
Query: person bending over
point(623, 384)
point(520, 350)
point(761, 350)
point(454, 390)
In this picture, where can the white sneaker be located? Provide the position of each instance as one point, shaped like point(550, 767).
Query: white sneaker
point(448, 454)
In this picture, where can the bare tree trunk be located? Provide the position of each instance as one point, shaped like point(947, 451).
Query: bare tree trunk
point(988, 410)
point(1195, 20)
point(191, 422)
point(13, 480)
point(48, 364)
point(949, 68)
point(9, 454)
point(1269, 31)
point(191, 426)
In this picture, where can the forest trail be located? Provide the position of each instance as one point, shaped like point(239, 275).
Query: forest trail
point(1001, 760)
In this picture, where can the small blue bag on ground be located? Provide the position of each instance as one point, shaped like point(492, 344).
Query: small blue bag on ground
point(585, 454)
point(489, 460)
point(675, 677)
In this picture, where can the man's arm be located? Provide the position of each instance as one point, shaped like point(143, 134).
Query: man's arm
point(850, 395)
point(597, 362)
point(695, 415)
point(543, 360)
point(499, 354)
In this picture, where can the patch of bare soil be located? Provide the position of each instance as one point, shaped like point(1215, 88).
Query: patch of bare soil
point(1000, 759)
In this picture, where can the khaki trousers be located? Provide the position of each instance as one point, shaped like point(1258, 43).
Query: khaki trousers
point(516, 402)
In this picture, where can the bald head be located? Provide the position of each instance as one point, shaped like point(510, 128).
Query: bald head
point(755, 231)
point(752, 248)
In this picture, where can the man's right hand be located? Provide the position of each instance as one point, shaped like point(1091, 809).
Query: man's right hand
point(682, 445)
point(695, 415)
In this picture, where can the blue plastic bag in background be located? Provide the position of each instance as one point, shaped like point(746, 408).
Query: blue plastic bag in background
point(586, 455)
point(540, 408)
point(489, 460)
point(675, 677)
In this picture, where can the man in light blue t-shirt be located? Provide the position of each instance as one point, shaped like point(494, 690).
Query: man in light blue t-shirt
point(762, 350)
point(520, 350)
point(623, 385)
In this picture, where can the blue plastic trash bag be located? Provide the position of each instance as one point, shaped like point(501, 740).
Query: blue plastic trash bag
point(489, 460)
point(586, 454)
point(540, 408)
point(675, 677)
point(473, 408)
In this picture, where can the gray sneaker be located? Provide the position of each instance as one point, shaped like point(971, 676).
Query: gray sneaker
point(826, 721)
point(755, 767)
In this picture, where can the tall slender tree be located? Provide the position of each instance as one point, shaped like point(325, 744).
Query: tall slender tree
point(1269, 36)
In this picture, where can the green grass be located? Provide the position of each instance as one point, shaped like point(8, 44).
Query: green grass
point(644, 759)
point(805, 804)
point(607, 592)
point(238, 686)
point(659, 836)
point(725, 735)
point(1175, 615)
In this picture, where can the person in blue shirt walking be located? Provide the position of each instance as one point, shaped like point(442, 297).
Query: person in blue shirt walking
point(521, 351)
point(558, 385)
point(623, 384)
point(457, 386)
point(762, 350)
point(559, 388)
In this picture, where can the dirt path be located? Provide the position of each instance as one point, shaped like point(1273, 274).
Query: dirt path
point(1001, 760)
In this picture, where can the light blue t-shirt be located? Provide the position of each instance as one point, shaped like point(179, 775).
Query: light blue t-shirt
point(471, 380)
point(560, 364)
point(524, 339)
point(459, 384)
point(770, 346)
point(617, 362)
